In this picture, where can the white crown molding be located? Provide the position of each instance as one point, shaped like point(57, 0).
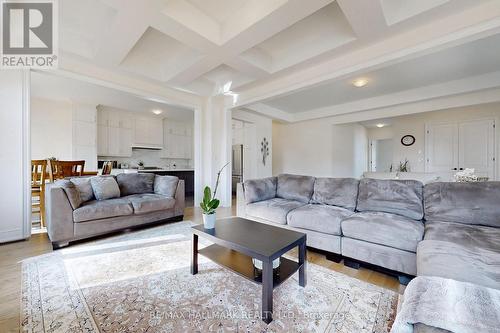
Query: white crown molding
point(472, 24)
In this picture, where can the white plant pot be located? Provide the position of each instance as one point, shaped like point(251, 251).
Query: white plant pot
point(209, 221)
point(258, 263)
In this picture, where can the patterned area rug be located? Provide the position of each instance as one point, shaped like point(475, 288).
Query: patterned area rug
point(140, 282)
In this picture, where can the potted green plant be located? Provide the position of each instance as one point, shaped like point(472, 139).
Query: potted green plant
point(210, 203)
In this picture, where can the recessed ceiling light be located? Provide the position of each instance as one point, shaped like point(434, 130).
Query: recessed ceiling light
point(380, 125)
point(157, 112)
point(361, 82)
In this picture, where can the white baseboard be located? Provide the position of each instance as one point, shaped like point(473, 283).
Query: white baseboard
point(11, 235)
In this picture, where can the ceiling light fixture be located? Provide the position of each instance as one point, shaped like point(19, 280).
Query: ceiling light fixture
point(380, 125)
point(361, 82)
point(157, 112)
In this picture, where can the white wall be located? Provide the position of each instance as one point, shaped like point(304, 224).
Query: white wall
point(320, 149)
point(415, 125)
point(15, 196)
point(257, 128)
point(51, 129)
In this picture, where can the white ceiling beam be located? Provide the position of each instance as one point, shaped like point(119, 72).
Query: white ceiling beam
point(286, 15)
point(246, 68)
point(127, 28)
point(474, 23)
point(436, 104)
point(72, 67)
point(366, 17)
point(271, 112)
point(456, 87)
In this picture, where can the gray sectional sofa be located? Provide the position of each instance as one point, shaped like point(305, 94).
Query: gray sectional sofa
point(399, 225)
point(84, 207)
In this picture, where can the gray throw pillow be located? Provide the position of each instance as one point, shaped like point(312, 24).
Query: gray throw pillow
point(71, 191)
point(166, 185)
point(84, 187)
point(105, 187)
point(135, 183)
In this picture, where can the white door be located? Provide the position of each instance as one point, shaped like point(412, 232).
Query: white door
point(442, 149)
point(476, 147)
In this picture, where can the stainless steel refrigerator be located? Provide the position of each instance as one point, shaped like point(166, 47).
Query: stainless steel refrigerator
point(237, 166)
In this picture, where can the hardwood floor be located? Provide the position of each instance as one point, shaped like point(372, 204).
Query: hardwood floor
point(12, 254)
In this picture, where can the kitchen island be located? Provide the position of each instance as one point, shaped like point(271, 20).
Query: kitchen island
point(185, 174)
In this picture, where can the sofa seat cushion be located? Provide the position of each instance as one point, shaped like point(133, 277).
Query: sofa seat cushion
point(273, 210)
point(322, 218)
point(402, 197)
point(470, 236)
point(102, 209)
point(145, 203)
point(385, 229)
point(462, 263)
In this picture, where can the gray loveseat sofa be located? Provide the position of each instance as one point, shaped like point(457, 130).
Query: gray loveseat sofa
point(381, 222)
point(84, 207)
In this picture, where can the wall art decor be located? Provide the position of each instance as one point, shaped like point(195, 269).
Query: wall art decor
point(264, 149)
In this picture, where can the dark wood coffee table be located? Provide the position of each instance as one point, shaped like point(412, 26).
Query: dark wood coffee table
point(238, 240)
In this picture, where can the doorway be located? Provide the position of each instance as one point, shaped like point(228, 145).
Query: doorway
point(381, 153)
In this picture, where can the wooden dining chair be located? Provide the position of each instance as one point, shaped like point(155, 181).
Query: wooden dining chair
point(63, 169)
point(38, 179)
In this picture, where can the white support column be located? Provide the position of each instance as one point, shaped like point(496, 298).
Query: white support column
point(213, 148)
point(15, 155)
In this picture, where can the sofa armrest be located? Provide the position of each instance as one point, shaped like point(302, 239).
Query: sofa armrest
point(180, 198)
point(59, 214)
point(240, 200)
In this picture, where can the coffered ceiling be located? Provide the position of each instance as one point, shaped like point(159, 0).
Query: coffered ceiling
point(272, 51)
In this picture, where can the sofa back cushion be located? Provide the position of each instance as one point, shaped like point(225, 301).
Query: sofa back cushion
point(402, 197)
point(135, 183)
point(468, 203)
point(83, 186)
point(342, 192)
point(71, 192)
point(260, 189)
point(165, 185)
point(295, 187)
point(105, 187)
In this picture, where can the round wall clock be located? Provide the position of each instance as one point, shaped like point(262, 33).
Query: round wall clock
point(407, 140)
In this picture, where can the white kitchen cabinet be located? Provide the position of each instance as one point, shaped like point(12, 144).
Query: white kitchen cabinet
point(178, 140)
point(113, 141)
point(454, 146)
point(148, 132)
point(114, 133)
point(102, 140)
point(125, 142)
